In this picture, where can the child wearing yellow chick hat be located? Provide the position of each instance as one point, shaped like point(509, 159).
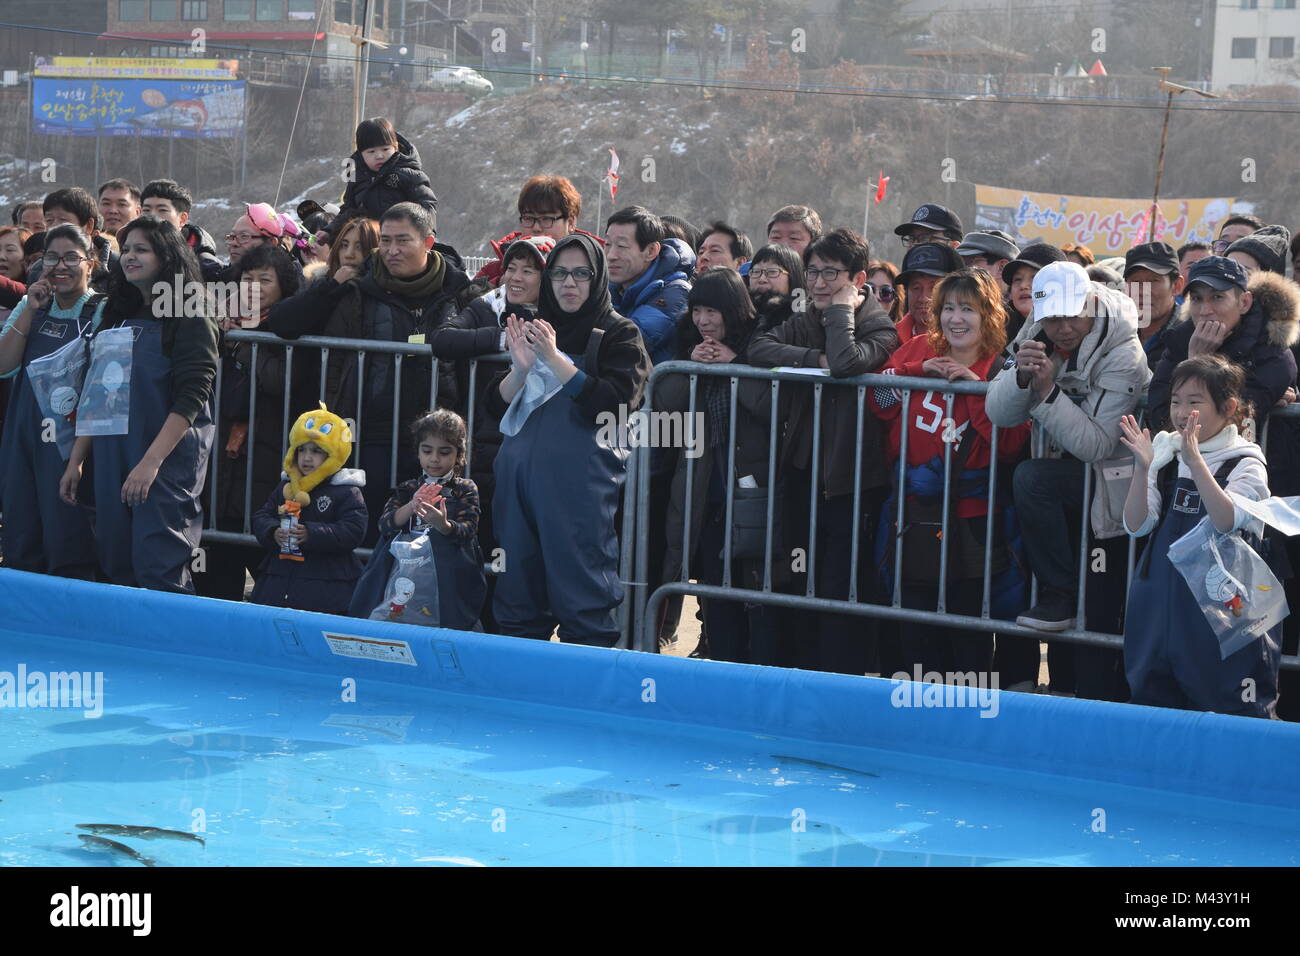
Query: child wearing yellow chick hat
point(312, 523)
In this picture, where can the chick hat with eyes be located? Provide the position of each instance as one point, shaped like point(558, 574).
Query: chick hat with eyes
point(331, 433)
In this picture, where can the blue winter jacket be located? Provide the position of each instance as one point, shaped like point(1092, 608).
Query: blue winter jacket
point(658, 297)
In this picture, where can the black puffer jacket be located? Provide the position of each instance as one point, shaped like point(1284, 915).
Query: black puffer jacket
point(204, 248)
point(1261, 344)
point(353, 316)
point(400, 179)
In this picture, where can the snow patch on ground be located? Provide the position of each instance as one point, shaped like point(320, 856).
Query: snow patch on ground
point(461, 118)
point(305, 194)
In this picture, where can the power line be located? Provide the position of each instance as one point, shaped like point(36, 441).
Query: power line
point(1008, 99)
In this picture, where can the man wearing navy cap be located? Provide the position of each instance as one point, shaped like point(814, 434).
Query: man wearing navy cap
point(1151, 271)
point(923, 267)
point(989, 250)
point(1252, 322)
point(931, 223)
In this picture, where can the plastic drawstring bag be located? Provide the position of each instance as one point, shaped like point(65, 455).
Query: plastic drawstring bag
point(105, 406)
point(411, 596)
point(1240, 597)
point(56, 381)
point(1280, 513)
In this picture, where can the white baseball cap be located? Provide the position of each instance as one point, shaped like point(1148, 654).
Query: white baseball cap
point(1060, 289)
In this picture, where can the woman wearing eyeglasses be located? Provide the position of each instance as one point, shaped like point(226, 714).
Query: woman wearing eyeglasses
point(41, 532)
point(882, 276)
point(145, 413)
point(559, 473)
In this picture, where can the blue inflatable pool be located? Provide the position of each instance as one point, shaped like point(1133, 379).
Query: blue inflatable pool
point(288, 738)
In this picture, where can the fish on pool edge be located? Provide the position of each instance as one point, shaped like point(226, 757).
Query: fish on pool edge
point(140, 833)
point(99, 844)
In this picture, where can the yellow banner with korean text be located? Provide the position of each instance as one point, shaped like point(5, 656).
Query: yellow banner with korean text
point(1109, 227)
point(136, 68)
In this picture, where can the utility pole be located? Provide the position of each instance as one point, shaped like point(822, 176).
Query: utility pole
point(361, 70)
point(532, 47)
point(367, 19)
point(1202, 26)
point(452, 27)
point(1173, 89)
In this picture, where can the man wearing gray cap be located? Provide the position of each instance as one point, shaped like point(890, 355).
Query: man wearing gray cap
point(989, 250)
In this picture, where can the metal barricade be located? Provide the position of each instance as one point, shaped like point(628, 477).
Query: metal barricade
point(361, 348)
point(647, 605)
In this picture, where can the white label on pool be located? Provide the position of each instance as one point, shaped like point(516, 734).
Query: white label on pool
point(370, 648)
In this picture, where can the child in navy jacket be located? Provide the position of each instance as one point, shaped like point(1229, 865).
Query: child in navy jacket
point(312, 523)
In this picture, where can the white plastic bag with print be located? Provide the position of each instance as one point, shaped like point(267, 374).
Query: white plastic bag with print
point(411, 596)
point(105, 406)
point(56, 381)
point(1240, 597)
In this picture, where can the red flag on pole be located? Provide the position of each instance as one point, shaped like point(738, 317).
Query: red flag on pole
point(882, 183)
point(612, 176)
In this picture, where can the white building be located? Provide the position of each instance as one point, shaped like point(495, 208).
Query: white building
point(1255, 43)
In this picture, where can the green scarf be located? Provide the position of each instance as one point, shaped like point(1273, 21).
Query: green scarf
point(417, 288)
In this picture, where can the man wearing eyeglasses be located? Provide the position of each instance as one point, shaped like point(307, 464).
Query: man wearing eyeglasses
point(989, 250)
point(1078, 368)
point(244, 237)
point(848, 334)
point(1234, 228)
point(548, 206)
point(930, 223)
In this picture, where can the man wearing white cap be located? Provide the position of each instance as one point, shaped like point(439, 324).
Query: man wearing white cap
point(1078, 367)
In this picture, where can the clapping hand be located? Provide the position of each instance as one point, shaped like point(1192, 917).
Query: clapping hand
point(1191, 432)
point(521, 351)
point(1136, 440)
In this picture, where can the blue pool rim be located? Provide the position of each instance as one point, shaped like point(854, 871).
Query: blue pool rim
point(1239, 759)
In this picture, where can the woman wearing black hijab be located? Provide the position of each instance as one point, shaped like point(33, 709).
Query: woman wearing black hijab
point(557, 484)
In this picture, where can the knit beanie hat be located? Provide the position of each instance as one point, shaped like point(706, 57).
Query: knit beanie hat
point(1268, 246)
point(535, 247)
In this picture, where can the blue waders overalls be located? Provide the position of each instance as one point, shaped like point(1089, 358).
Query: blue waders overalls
point(556, 497)
point(41, 532)
point(150, 545)
point(1171, 655)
